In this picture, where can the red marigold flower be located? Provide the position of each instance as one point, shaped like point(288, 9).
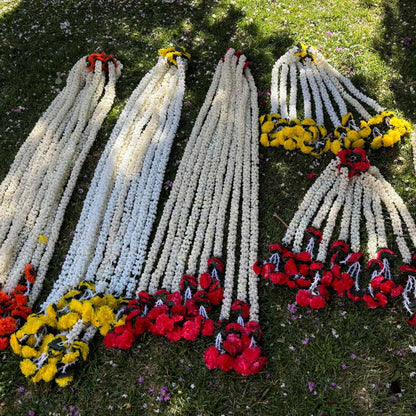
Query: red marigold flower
point(205, 280)
point(208, 328)
point(382, 299)
point(396, 291)
point(375, 264)
point(412, 321)
point(242, 366)
point(175, 298)
point(324, 292)
point(278, 278)
point(190, 330)
point(375, 283)
point(303, 283)
point(4, 298)
point(21, 300)
point(267, 269)
point(234, 328)
point(175, 335)
point(125, 340)
point(243, 307)
point(291, 268)
point(211, 356)
point(21, 312)
point(251, 354)
point(257, 267)
point(378, 300)
point(314, 233)
point(30, 274)
point(192, 308)
point(233, 344)
point(336, 270)
point(315, 266)
point(4, 343)
point(7, 326)
point(387, 286)
point(258, 365)
point(304, 269)
point(178, 309)
point(252, 328)
point(162, 325)
point(317, 302)
point(304, 256)
point(326, 279)
point(353, 297)
point(145, 297)
point(303, 297)
point(157, 310)
point(188, 281)
point(385, 253)
point(278, 247)
point(291, 284)
point(216, 296)
point(217, 263)
point(340, 245)
point(141, 325)
point(226, 362)
point(354, 257)
point(407, 269)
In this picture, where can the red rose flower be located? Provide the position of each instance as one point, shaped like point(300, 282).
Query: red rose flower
point(141, 325)
point(211, 357)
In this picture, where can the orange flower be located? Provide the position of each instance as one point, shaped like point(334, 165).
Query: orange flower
point(7, 325)
point(30, 274)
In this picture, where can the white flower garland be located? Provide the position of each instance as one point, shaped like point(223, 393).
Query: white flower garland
point(217, 174)
point(40, 182)
point(120, 206)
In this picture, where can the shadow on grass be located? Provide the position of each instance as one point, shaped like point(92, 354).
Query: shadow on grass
point(397, 47)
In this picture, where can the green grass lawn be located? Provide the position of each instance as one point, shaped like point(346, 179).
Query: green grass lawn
point(343, 360)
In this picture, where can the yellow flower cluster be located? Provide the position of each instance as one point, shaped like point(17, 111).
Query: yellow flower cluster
point(304, 52)
point(383, 130)
point(172, 53)
point(50, 343)
point(304, 135)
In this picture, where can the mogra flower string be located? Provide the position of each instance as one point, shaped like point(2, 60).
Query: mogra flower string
point(36, 191)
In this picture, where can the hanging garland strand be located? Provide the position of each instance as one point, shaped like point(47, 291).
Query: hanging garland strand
point(35, 193)
point(112, 232)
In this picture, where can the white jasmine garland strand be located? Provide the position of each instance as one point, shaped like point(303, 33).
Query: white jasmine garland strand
point(355, 217)
point(180, 199)
point(254, 195)
point(329, 198)
point(314, 193)
point(189, 154)
point(379, 219)
point(333, 214)
point(413, 142)
point(370, 218)
point(319, 113)
point(307, 107)
point(132, 161)
point(283, 91)
point(325, 97)
point(47, 180)
point(398, 202)
point(293, 92)
point(346, 214)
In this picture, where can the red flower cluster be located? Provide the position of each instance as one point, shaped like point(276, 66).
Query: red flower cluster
point(94, 57)
point(298, 271)
point(239, 351)
point(355, 160)
point(177, 315)
point(410, 270)
point(14, 309)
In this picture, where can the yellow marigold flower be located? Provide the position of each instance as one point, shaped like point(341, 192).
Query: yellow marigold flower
point(15, 344)
point(346, 118)
point(82, 347)
point(358, 144)
point(264, 140)
point(385, 114)
point(75, 306)
point(298, 131)
point(308, 122)
point(31, 341)
point(43, 239)
point(32, 325)
point(45, 342)
point(353, 136)
point(45, 373)
point(111, 301)
point(267, 127)
point(56, 348)
point(289, 144)
point(262, 118)
point(29, 352)
point(327, 146)
point(365, 130)
point(27, 368)
point(377, 142)
point(121, 321)
point(388, 140)
point(375, 120)
point(87, 312)
point(70, 357)
point(305, 149)
point(314, 132)
point(63, 381)
point(86, 284)
point(51, 311)
point(335, 146)
point(323, 131)
point(68, 321)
